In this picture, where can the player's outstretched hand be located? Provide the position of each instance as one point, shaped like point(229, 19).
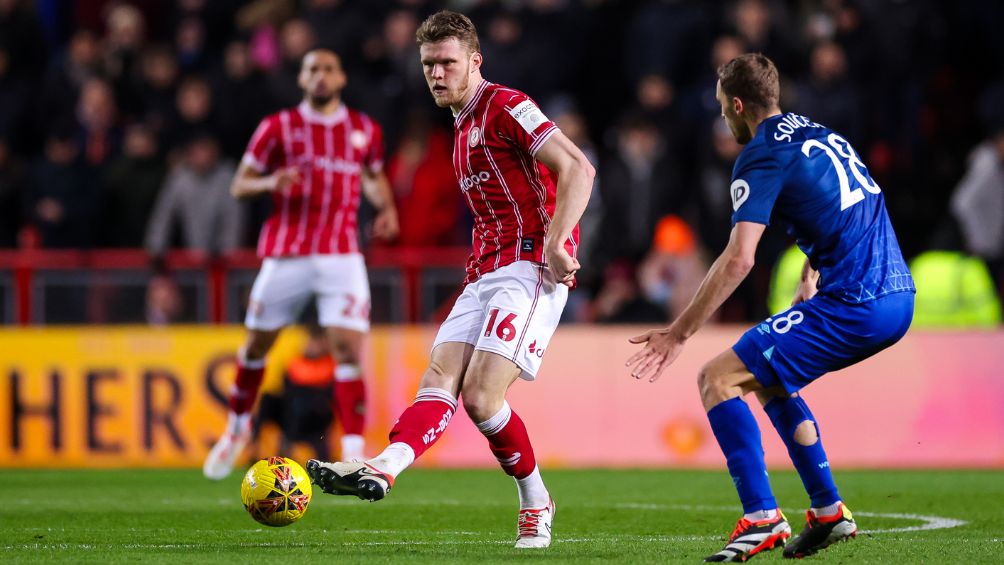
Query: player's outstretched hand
point(385, 225)
point(562, 265)
point(662, 347)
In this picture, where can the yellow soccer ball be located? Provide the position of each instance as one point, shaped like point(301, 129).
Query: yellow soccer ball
point(276, 491)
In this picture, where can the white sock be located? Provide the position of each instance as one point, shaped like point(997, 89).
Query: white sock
point(532, 492)
point(352, 447)
point(761, 515)
point(394, 459)
point(238, 424)
point(828, 510)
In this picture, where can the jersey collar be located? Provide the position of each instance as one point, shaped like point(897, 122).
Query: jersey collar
point(311, 115)
point(457, 118)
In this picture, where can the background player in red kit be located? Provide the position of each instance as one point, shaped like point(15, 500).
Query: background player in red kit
point(315, 160)
point(526, 185)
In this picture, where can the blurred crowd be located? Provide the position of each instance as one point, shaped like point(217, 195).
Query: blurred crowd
point(121, 122)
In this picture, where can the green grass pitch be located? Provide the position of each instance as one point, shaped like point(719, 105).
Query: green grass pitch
point(469, 516)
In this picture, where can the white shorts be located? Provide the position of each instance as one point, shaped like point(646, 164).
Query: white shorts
point(512, 311)
point(285, 284)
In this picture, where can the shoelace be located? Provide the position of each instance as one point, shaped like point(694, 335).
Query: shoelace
point(741, 526)
point(529, 521)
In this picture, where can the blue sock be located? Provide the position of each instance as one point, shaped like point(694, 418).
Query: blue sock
point(739, 437)
point(810, 460)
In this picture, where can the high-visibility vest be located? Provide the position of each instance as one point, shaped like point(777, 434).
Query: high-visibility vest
point(784, 280)
point(954, 290)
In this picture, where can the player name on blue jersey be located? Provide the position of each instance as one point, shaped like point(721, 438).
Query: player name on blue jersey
point(809, 179)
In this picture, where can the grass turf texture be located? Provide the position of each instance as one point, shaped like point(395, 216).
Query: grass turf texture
point(469, 516)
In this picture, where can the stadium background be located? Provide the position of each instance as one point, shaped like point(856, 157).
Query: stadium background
point(120, 323)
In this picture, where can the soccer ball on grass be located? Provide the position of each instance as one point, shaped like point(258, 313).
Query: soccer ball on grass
point(276, 491)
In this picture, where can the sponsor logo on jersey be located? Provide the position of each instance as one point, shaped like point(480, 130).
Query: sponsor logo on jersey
point(528, 115)
point(740, 191)
point(526, 245)
point(470, 182)
point(474, 136)
point(534, 350)
point(336, 165)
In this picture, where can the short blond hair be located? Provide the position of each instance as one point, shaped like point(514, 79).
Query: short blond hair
point(446, 24)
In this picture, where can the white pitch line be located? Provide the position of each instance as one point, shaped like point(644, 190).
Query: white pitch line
point(929, 522)
point(619, 539)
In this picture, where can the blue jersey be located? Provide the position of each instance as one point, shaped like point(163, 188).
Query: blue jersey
point(810, 180)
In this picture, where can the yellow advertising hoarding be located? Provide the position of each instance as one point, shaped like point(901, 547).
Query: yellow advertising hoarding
point(113, 397)
point(144, 397)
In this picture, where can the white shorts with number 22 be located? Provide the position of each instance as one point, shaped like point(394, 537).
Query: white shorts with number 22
point(284, 285)
point(512, 311)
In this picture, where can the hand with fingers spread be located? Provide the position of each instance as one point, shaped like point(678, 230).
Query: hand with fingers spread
point(662, 347)
point(562, 265)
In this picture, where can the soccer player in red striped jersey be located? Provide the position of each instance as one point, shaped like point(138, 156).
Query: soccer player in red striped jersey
point(315, 160)
point(527, 186)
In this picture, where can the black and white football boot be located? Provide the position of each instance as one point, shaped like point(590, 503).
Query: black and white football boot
point(350, 478)
point(750, 538)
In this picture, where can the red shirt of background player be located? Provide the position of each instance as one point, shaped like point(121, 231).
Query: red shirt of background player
point(318, 216)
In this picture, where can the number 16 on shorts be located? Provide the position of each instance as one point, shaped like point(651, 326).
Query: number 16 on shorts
point(503, 328)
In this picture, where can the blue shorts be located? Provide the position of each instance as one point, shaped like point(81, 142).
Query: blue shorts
point(820, 335)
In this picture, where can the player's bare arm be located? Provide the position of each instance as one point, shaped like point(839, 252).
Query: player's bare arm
point(376, 188)
point(808, 284)
point(732, 266)
point(249, 182)
point(575, 183)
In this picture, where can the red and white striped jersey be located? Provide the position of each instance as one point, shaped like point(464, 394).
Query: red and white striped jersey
point(510, 193)
point(320, 215)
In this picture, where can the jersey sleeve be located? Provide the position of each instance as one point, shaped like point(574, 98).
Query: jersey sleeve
point(373, 159)
point(756, 183)
point(522, 123)
point(261, 153)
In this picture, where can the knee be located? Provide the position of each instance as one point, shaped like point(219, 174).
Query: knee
point(715, 386)
point(256, 346)
point(805, 433)
point(479, 404)
point(438, 375)
point(344, 352)
point(707, 383)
